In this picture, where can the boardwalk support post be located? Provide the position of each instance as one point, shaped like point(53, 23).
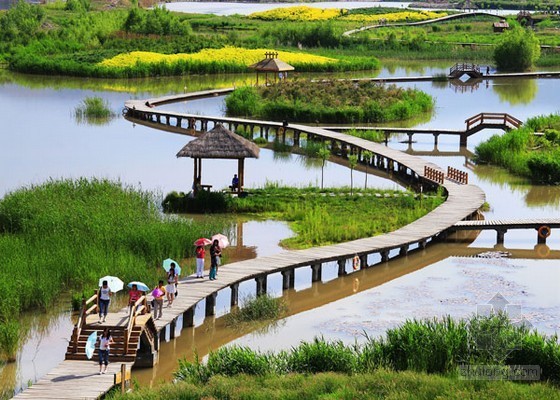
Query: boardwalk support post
point(363, 261)
point(316, 271)
point(188, 318)
point(384, 255)
point(288, 279)
point(261, 285)
point(500, 233)
point(234, 295)
point(211, 304)
point(404, 250)
point(172, 326)
point(341, 267)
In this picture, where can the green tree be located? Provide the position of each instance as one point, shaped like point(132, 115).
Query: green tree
point(20, 23)
point(518, 50)
point(324, 155)
point(352, 161)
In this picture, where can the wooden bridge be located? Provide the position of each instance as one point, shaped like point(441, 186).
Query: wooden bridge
point(542, 226)
point(138, 335)
point(474, 124)
point(460, 69)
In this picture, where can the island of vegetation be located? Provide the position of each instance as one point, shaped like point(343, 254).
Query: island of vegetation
point(336, 102)
point(531, 151)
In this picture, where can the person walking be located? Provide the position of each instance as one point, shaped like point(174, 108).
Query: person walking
point(133, 295)
point(158, 293)
point(171, 287)
point(215, 254)
point(200, 254)
point(105, 342)
point(104, 298)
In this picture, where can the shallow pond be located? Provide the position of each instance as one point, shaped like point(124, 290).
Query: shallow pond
point(52, 144)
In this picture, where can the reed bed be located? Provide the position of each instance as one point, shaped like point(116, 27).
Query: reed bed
point(256, 309)
point(532, 151)
point(94, 110)
point(429, 346)
point(64, 235)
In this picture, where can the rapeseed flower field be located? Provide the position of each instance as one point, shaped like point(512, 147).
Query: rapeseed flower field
point(228, 55)
point(404, 16)
point(298, 13)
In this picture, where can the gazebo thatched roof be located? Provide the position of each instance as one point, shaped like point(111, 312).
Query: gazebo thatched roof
point(272, 64)
point(220, 143)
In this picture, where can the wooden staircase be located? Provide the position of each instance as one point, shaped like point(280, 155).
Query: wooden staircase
point(118, 351)
point(126, 331)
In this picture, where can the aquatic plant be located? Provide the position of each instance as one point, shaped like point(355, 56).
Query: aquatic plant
point(94, 110)
point(256, 309)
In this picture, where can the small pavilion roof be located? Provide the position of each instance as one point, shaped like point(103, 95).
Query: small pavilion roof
point(272, 64)
point(220, 143)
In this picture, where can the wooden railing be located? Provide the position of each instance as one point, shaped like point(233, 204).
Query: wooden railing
point(434, 175)
point(140, 307)
point(82, 319)
point(505, 119)
point(457, 175)
point(464, 67)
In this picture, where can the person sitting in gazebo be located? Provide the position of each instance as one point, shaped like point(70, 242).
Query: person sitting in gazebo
point(234, 183)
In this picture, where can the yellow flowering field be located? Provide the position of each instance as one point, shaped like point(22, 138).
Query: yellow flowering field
point(402, 16)
point(298, 13)
point(230, 55)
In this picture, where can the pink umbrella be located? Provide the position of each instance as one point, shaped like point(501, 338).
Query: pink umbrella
point(223, 241)
point(202, 242)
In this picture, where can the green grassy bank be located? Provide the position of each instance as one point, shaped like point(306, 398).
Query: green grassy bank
point(532, 151)
point(63, 236)
point(420, 359)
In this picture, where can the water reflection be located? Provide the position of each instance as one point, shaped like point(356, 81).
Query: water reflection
point(515, 92)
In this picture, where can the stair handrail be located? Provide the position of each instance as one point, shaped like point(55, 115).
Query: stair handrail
point(132, 314)
point(83, 317)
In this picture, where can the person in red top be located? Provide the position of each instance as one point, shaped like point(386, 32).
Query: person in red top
point(200, 253)
point(133, 295)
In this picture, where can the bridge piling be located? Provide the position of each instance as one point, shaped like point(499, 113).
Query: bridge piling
point(316, 272)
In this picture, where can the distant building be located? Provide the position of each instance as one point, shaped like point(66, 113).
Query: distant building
point(500, 26)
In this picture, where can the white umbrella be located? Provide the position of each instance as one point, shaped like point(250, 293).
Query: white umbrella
point(223, 240)
point(114, 283)
point(90, 344)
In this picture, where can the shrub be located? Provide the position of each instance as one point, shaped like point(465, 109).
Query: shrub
point(517, 51)
point(204, 202)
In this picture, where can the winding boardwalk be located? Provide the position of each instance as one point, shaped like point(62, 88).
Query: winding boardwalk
point(71, 378)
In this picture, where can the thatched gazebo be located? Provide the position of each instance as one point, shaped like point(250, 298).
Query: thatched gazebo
point(272, 64)
point(220, 143)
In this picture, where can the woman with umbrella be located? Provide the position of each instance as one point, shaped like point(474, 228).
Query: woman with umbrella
point(104, 296)
point(171, 287)
point(215, 254)
point(105, 342)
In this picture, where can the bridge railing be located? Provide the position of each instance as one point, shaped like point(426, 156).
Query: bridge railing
point(434, 175)
point(464, 67)
point(86, 310)
point(493, 118)
point(140, 307)
point(457, 175)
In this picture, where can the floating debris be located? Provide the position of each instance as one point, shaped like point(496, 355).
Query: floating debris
point(494, 254)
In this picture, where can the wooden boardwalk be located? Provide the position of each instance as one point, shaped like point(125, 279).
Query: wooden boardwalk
point(73, 380)
point(78, 379)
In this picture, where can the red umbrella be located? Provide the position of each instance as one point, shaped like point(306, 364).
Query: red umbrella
point(202, 242)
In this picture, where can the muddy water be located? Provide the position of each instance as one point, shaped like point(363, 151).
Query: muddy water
point(373, 300)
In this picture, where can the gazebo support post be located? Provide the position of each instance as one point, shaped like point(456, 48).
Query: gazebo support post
point(241, 173)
